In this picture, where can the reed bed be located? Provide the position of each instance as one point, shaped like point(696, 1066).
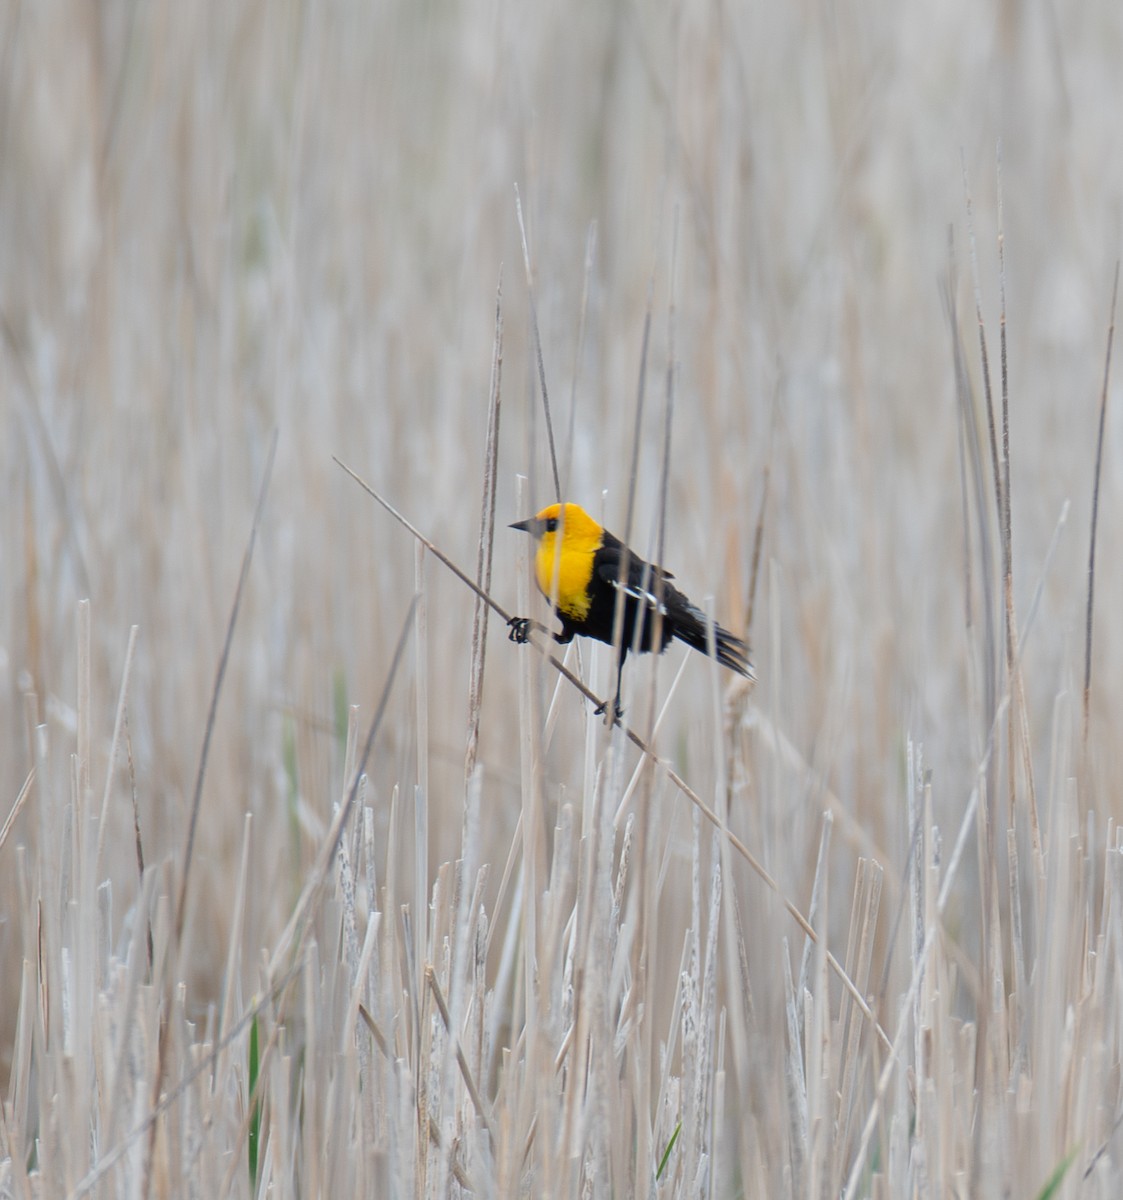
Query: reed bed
point(311, 883)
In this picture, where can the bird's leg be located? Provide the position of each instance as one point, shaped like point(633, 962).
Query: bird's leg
point(617, 707)
point(519, 630)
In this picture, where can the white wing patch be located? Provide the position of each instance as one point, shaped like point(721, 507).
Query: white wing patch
point(644, 597)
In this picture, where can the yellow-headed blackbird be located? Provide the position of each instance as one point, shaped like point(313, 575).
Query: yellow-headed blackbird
point(583, 561)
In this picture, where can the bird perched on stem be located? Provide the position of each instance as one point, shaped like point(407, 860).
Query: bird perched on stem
point(582, 568)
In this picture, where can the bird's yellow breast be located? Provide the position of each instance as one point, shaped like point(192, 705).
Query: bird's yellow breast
point(566, 555)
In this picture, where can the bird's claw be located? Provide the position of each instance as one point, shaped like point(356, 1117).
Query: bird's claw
point(602, 708)
point(518, 630)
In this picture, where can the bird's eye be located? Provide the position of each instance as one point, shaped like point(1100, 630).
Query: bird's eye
point(551, 524)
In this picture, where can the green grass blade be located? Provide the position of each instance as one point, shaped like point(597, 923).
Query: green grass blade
point(1053, 1183)
point(667, 1153)
point(255, 1116)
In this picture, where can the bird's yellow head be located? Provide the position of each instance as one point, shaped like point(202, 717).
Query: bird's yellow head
point(567, 540)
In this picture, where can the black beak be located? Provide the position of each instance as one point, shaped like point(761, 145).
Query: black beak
point(531, 525)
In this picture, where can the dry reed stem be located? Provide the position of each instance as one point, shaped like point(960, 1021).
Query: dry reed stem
point(486, 540)
point(538, 346)
point(1096, 513)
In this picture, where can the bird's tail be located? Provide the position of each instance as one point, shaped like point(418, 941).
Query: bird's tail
point(730, 650)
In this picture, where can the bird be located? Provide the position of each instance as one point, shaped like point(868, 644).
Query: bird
point(581, 567)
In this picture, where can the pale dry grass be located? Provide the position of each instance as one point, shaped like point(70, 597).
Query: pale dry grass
point(440, 931)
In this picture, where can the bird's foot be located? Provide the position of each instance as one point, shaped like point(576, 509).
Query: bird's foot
point(518, 629)
point(602, 708)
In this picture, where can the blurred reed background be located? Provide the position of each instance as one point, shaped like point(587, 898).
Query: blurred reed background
point(218, 221)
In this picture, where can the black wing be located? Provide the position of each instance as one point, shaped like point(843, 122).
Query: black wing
point(649, 589)
point(643, 582)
